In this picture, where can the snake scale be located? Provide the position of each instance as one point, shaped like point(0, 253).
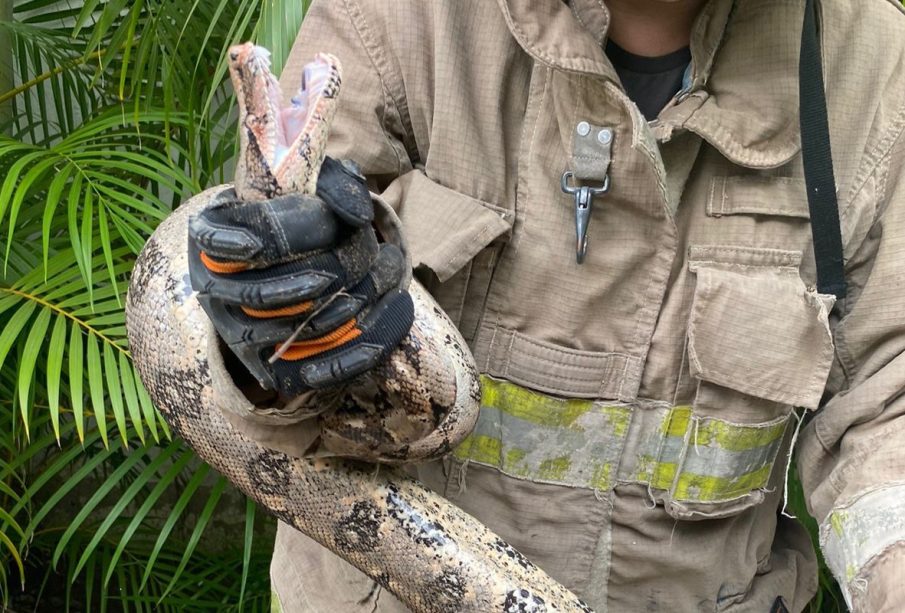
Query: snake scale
point(426, 551)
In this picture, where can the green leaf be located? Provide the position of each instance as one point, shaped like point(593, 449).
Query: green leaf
point(163, 483)
point(148, 472)
point(86, 238)
point(106, 243)
point(61, 490)
point(55, 370)
point(76, 368)
point(9, 520)
point(112, 482)
point(133, 405)
point(29, 360)
point(34, 448)
point(12, 175)
point(72, 214)
point(133, 21)
point(10, 332)
point(8, 301)
point(87, 12)
point(249, 540)
point(15, 555)
point(34, 174)
point(173, 517)
point(8, 491)
point(54, 195)
point(147, 408)
point(115, 392)
point(96, 387)
point(200, 524)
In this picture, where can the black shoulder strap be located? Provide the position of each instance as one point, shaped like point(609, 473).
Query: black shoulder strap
point(818, 162)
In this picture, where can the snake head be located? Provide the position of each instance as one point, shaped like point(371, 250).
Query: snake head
point(281, 148)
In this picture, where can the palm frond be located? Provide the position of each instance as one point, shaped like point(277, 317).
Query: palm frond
point(94, 322)
point(101, 171)
point(118, 111)
point(116, 492)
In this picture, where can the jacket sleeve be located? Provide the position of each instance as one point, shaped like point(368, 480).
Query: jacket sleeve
point(852, 454)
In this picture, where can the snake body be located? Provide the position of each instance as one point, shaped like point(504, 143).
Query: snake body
point(418, 405)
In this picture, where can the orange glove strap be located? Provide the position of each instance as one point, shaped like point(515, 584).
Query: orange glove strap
point(286, 311)
point(222, 268)
point(305, 349)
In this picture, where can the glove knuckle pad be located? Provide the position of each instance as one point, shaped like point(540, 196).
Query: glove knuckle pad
point(345, 191)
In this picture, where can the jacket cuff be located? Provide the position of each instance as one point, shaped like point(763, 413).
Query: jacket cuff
point(863, 542)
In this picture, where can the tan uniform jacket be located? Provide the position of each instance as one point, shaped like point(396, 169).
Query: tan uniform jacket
point(691, 330)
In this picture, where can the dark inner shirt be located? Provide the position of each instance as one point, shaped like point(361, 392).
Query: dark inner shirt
point(650, 82)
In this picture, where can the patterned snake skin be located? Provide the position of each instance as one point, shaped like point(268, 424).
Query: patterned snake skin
point(426, 551)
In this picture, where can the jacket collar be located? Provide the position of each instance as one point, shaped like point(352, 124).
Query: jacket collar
point(737, 46)
point(747, 108)
point(553, 33)
point(570, 36)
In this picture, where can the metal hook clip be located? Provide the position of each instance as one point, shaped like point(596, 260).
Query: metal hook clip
point(584, 199)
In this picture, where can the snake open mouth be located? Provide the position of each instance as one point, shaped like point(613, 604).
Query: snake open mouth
point(294, 119)
point(287, 139)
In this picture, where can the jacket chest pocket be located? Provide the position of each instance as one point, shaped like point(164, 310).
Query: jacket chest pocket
point(454, 241)
point(755, 327)
point(758, 345)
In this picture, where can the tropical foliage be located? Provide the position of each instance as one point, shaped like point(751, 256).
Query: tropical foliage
point(111, 113)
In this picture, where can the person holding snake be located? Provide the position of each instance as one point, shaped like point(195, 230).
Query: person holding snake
point(628, 316)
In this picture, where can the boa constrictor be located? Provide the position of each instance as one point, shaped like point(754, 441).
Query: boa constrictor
point(429, 553)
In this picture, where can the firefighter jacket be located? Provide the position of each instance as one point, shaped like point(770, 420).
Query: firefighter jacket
point(639, 409)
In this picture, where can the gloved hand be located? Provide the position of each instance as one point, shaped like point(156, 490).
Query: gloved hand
point(302, 277)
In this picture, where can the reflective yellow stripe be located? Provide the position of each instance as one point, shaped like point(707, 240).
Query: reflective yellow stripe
point(676, 422)
point(533, 407)
point(541, 438)
point(734, 438)
point(487, 450)
point(711, 489)
point(856, 532)
point(580, 443)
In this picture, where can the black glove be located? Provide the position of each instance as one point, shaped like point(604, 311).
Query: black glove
point(303, 269)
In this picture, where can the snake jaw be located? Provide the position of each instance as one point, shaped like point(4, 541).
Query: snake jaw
point(249, 69)
point(315, 77)
point(281, 148)
point(306, 139)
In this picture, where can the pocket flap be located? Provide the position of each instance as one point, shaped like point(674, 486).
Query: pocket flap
point(445, 229)
point(781, 196)
point(758, 330)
